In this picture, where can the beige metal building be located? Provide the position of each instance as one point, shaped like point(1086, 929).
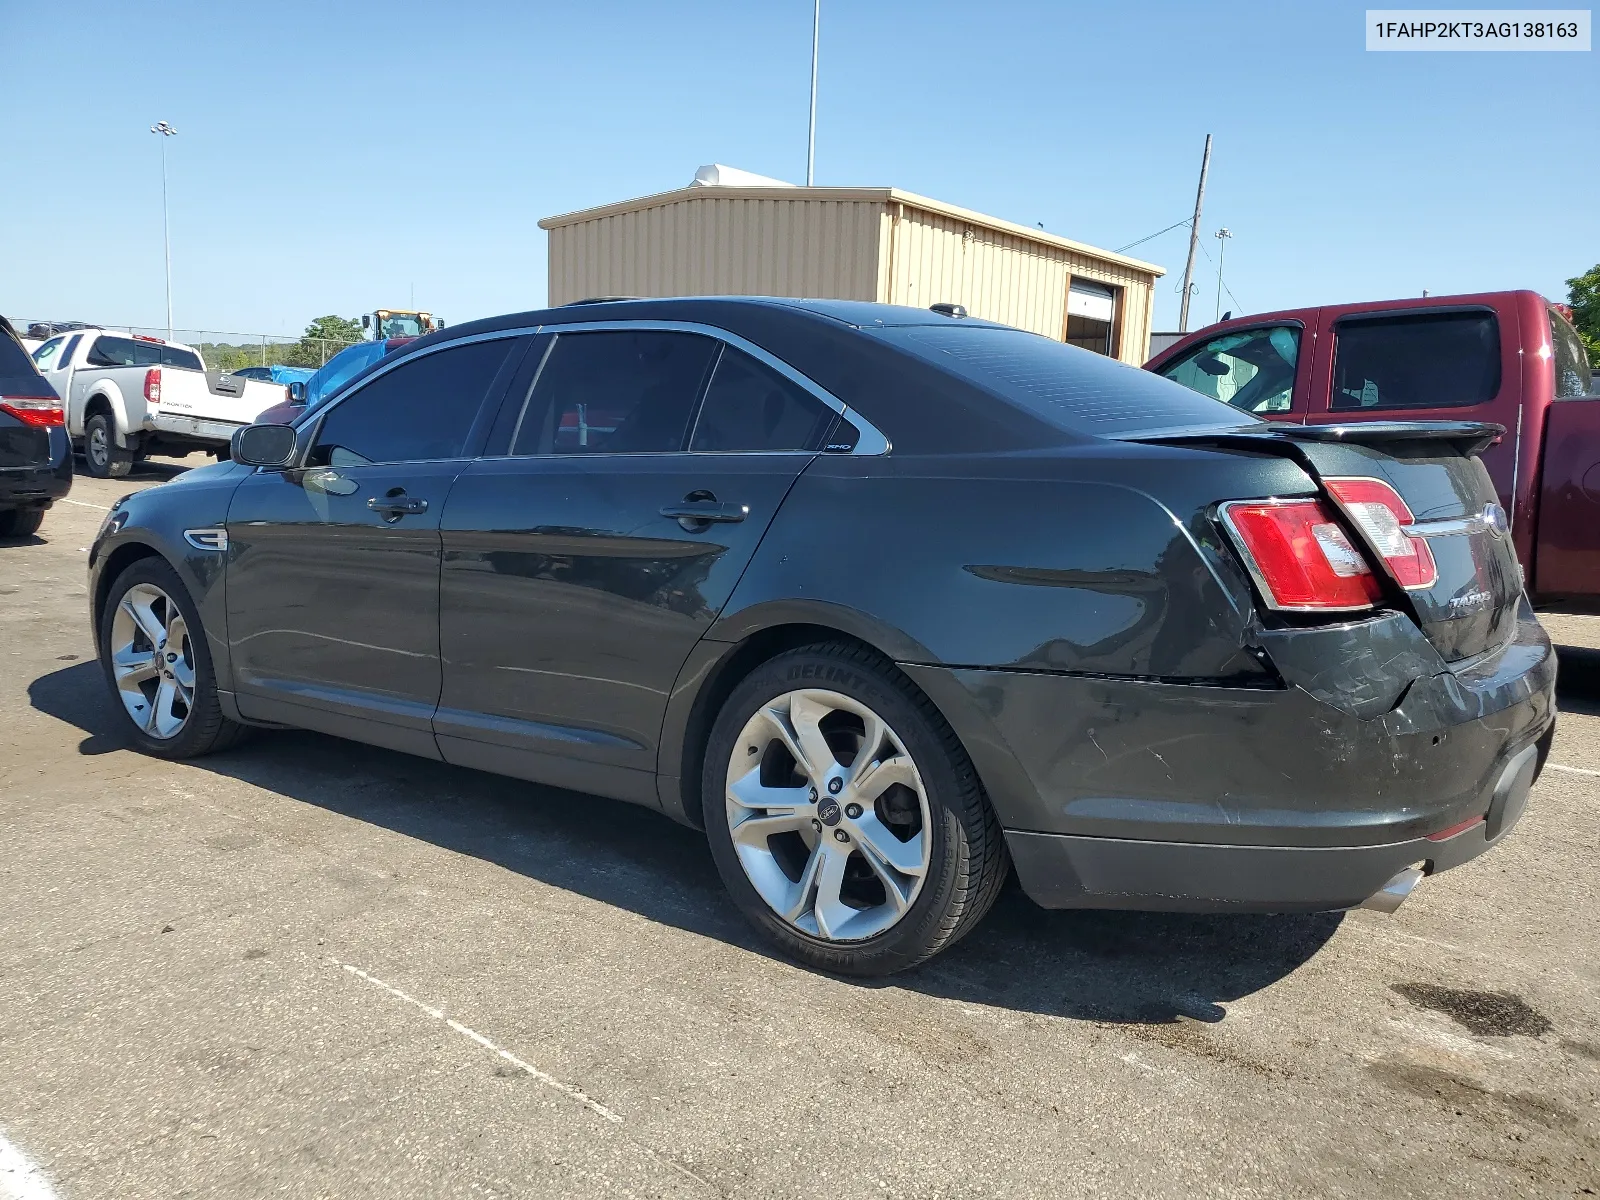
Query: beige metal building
point(853, 244)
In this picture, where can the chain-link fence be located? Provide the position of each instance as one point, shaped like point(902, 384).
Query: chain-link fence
point(220, 350)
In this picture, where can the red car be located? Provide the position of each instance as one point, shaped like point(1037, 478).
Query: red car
point(1506, 357)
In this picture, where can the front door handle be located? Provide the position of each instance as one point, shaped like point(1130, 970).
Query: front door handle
point(394, 507)
point(697, 514)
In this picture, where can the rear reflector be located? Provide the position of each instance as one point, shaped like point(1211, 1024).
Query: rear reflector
point(1299, 557)
point(1383, 516)
point(42, 411)
point(152, 385)
point(1444, 835)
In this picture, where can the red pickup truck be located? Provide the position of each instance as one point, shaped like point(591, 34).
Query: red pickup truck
point(1505, 357)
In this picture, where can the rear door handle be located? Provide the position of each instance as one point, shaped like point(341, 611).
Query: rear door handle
point(398, 506)
point(704, 512)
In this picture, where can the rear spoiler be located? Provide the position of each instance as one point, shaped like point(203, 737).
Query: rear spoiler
point(1465, 437)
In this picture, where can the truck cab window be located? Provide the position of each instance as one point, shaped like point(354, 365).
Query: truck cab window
point(1421, 360)
point(1252, 369)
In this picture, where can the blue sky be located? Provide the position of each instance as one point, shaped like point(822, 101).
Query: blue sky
point(330, 161)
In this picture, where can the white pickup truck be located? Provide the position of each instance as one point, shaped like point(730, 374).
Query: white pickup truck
point(128, 397)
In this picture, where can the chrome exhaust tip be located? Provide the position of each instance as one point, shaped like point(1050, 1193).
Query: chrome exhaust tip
point(1393, 894)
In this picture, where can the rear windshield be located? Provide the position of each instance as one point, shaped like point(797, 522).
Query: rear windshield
point(1573, 374)
point(17, 374)
point(132, 352)
point(1075, 390)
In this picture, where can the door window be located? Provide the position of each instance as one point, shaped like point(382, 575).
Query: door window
point(420, 411)
point(1426, 360)
point(1573, 375)
point(614, 392)
point(749, 406)
point(1252, 370)
point(66, 354)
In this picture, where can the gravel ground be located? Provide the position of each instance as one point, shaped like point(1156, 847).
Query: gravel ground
point(311, 968)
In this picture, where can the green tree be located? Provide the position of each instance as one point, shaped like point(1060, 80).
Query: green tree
point(1583, 294)
point(323, 338)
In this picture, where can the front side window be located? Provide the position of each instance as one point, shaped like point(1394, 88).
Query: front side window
point(749, 406)
point(1252, 370)
point(71, 348)
point(420, 411)
point(614, 392)
point(1423, 360)
point(1573, 374)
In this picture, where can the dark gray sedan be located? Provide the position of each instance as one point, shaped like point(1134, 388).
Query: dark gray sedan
point(889, 602)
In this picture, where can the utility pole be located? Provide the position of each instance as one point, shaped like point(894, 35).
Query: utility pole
point(1223, 235)
point(811, 132)
point(1194, 240)
point(165, 131)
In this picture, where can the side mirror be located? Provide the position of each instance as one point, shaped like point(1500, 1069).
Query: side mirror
point(297, 392)
point(438, 324)
point(264, 446)
point(366, 320)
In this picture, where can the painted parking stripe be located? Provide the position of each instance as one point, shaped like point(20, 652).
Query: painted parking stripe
point(550, 1081)
point(82, 503)
point(19, 1178)
point(1571, 770)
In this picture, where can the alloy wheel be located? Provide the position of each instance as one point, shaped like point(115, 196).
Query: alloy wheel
point(152, 661)
point(828, 815)
point(97, 444)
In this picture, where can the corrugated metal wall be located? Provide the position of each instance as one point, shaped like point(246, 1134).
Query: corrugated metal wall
point(1003, 277)
point(851, 247)
point(712, 245)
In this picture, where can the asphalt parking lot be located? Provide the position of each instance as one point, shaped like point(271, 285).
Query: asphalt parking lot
point(310, 968)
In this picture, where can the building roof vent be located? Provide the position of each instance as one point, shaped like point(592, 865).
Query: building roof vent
point(717, 175)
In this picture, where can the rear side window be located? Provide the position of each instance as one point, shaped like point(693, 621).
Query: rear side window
point(749, 406)
point(1075, 390)
point(1252, 370)
point(420, 411)
point(18, 376)
point(1573, 374)
point(614, 392)
point(1426, 360)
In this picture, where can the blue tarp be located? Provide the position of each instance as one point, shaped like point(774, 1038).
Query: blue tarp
point(291, 374)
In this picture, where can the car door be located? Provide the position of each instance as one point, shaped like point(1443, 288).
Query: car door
point(635, 472)
point(1259, 370)
point(333, 566)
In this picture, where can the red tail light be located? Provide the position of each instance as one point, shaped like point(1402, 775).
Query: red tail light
point(152, 385)
point(42, 411)
point(1299, 557)
point(1383, 516)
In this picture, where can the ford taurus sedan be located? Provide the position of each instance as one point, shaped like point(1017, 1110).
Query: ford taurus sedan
point(888, 602)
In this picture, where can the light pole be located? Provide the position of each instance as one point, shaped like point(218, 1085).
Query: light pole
point(811, 129)
point(1223, 235)
point(165, 131)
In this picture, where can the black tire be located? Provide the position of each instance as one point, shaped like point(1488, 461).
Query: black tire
point(101, 454)
point(968, 864)
point(21, 522)
point(206, 730)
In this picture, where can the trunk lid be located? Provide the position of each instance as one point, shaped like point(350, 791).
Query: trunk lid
point(1434, 466)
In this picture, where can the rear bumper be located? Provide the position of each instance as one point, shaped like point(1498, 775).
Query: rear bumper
point(41, 483)
point(1142, 794)
point(1062, 871)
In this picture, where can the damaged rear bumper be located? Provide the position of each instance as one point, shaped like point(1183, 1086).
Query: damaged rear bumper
point(1313, 796)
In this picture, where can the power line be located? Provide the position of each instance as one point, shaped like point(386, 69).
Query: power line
point(1156, 234)
point(1225, 286)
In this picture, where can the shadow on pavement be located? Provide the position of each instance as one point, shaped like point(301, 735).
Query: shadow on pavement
point(149, 470)
point(1578, 680)
point(1100, 966)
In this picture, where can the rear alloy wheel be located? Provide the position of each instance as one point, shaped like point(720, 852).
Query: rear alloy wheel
point(844, 816)
point(101, 454)
point(154, 654)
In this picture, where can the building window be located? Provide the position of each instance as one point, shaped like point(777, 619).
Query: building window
point(1091, 316)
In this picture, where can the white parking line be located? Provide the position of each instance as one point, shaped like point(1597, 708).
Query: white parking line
point(19, 1178)
point(1571, 770)
point(84, 504)
point(550, 1081)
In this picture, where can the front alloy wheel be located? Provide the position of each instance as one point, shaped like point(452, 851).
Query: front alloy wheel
point(152, 661)
point(828, 815)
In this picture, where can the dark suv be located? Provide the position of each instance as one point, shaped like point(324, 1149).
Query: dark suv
point(35, 456)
